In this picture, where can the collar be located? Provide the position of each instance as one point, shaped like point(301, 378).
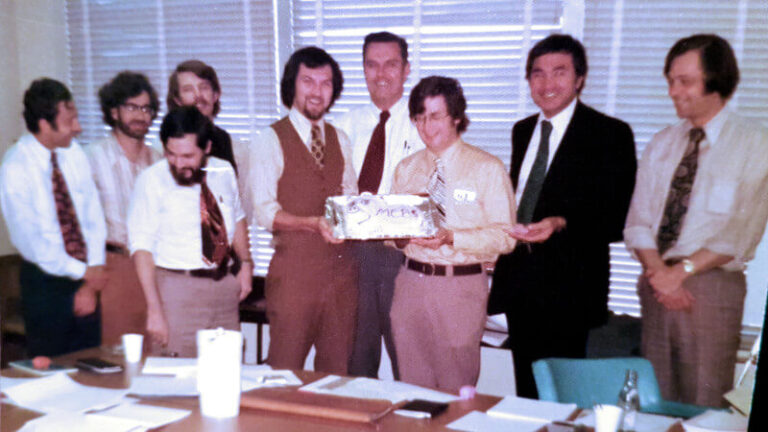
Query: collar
point(40, 152)
point(713, 127)
point(561, 120)
point(303, 125)
point(395, 110)
point(448, 154)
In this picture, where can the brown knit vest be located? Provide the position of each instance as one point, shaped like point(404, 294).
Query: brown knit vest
point(303, 187)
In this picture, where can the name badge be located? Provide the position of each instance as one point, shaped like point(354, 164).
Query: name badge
point(462, 195)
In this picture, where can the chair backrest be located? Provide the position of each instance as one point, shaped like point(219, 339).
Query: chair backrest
point(591, 381)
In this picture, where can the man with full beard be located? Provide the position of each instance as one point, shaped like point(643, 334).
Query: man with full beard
point(298, 162)
point(128, 106)
point(188, 237)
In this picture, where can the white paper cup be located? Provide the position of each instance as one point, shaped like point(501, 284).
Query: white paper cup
point(219, 358)
point(607, 418)
point(133, 345)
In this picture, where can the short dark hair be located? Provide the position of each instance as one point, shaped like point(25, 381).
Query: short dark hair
point(313, 58)
point(721, 70)
point(559, 43)
point(449, 89)
point(186, 120)
point(122, 87)
point(41, 100)
point(203, 71)
point(385, 37)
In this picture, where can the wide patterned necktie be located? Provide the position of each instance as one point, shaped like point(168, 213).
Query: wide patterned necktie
point(436, 190)
point(214, 232)
point(373, 164)
point(536, 177)
point(317, 146)
point(679, 193)
point(74, 242)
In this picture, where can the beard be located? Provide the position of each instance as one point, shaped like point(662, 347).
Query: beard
point(138, 131)
point(189, 176)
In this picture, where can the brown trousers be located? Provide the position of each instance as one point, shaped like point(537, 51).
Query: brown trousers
point(437, 324)
point(311, 300)
point(191, 304)
point(694, 352)
point(123, 307)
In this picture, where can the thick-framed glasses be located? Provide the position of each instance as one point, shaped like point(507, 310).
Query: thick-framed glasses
point(421, 119)
point(132, 108)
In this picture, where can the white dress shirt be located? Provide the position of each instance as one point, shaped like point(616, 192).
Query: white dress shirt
point(401, 137)
point(560, 122)
point(728, 206)
point(26, 197)
point(115, 176)
point(164, 217)
point(267, 165)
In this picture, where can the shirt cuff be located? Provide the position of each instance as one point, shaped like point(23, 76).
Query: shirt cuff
point(639, 238)
point(140, 242)
point(75, 268)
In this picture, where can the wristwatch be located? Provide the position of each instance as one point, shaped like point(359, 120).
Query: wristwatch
point(688, 266)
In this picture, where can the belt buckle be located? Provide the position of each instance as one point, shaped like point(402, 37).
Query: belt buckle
point(431, 267)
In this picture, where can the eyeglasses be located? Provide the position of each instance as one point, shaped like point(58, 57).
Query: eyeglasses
point(421, 119)
point(132, 108)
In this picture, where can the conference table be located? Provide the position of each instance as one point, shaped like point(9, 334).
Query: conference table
point(13, 418)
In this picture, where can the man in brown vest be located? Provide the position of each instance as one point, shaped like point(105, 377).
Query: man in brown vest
point(298, 162)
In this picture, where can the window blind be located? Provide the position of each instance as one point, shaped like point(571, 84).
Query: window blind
point(236, 37)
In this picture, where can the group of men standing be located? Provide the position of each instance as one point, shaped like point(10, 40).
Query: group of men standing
point(696, 206)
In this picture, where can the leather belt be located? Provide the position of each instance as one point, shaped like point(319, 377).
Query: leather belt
point(118, 249)
point(214, 273)
point(443, 270)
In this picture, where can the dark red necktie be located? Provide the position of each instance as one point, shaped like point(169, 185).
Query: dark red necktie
point(373, 164)
point(74, 243)
point(214, 232)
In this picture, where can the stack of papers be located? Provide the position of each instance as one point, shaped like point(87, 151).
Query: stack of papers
point(515, 413)
point(70, 405)
point(369, 388)
point(164, 376)
point(59, 392)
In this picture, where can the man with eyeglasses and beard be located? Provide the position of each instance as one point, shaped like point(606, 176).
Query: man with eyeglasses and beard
point(129, 103)
point(188, 237)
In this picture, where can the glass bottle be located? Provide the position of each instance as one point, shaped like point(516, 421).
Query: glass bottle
point(629, 401)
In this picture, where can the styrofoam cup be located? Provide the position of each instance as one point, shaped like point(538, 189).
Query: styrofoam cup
point(133, 345)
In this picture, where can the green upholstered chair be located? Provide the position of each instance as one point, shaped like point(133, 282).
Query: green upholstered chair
point(586, 382)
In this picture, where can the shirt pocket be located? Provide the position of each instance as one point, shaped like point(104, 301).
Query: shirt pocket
point(722, 196)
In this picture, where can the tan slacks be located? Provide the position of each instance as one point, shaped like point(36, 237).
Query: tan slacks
point(694, 352)
point(191, 304)
point(437, 324)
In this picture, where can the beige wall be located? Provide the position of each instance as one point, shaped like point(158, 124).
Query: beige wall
point(33, 43)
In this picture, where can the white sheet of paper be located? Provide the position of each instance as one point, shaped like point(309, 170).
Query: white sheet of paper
point(169, 366)
point(369, 388)
point(146, 416)
point(531, 409)
point(155, 385)
point(8, 382)
point(717, 421)
point(257, 376)
point(477, 421)
point(69, 421)
point(59, 392)
point(643, 422)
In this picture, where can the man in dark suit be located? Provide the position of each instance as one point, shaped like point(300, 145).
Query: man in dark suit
point(573, 169)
